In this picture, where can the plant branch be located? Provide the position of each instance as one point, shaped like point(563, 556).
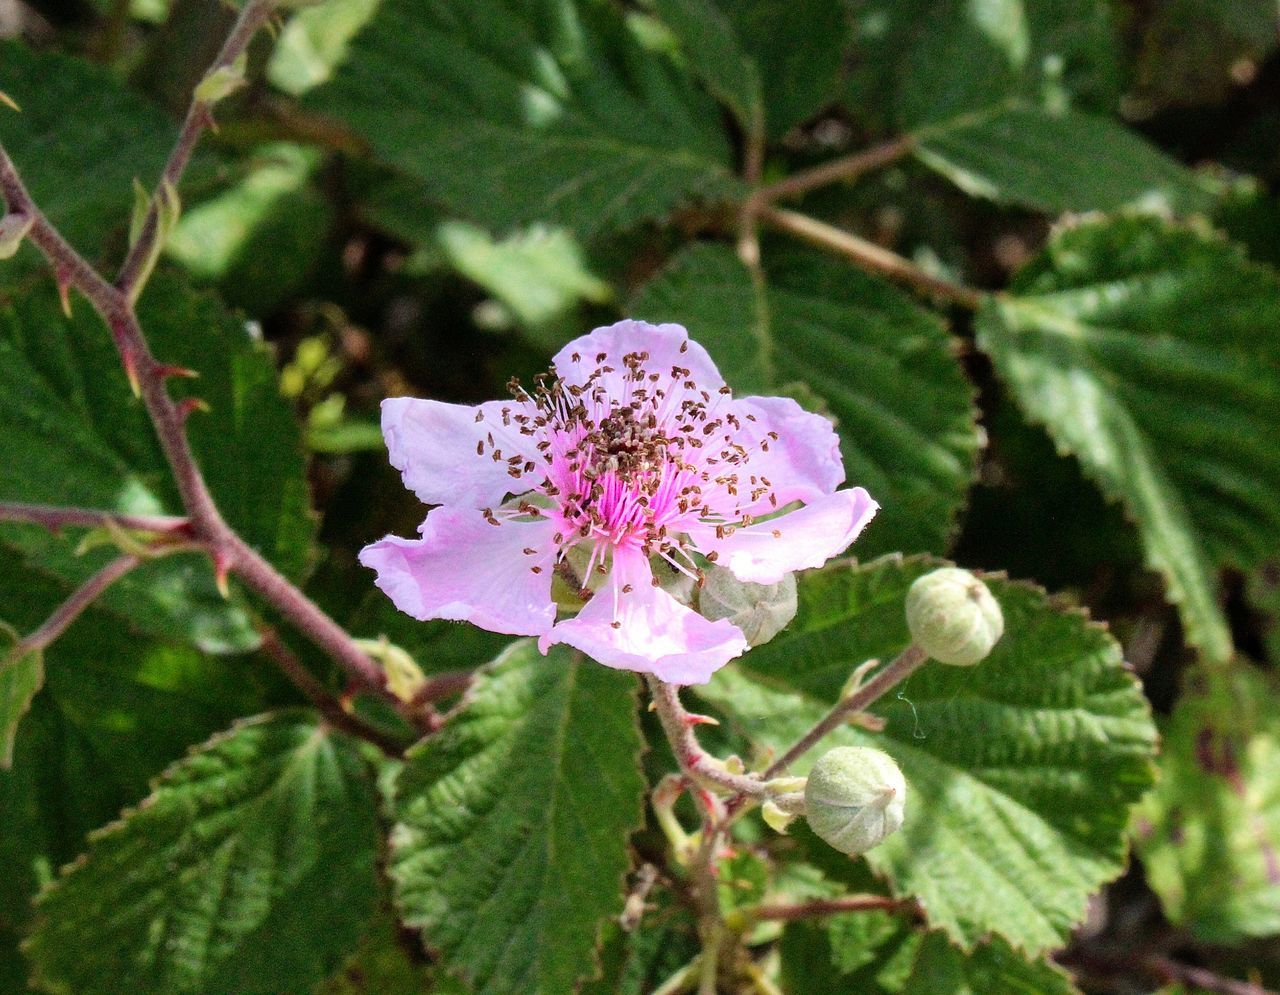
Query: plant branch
point(252, 16)
point(329, 706)
point(1200, 977)
point(832, 906)
point(83, 596)
point(869, 256)
point(898, 670)
point(55, 518)
point(846, 168)
point(696, 762)
point(230, 553)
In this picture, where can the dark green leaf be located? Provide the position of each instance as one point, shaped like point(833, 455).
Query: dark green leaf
point(795, 45)
point(1209, 835)
point(436, 646)
point(269, 831)
point(712, 47)
point(114, 711)
point(935, 60)
point(79, 142)
point(848, 345)
point(76, 435)
point(1020, 771)
point(531, 110)
point(259, 239)
point(1150, 352)
point(1057, 161)
point(21, 676)
point(512, 824)
point(941, 969)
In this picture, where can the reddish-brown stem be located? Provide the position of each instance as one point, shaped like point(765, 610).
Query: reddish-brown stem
point(869, 256)
point(846, 168)
point(898, 670)
point(252, 16)
point(696, 762)
point(83, 596)
point(114, 303)
point(444, 685)
point(1203, 978)
point(832, 906)
point(328, 706)
point(54, 518)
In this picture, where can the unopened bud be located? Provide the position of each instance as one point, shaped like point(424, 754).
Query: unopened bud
point(761, 611)
point(953, 617)
point(854, 798)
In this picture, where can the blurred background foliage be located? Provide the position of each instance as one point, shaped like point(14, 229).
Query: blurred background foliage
point(402, 201)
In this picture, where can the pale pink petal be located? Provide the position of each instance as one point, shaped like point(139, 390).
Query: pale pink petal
point(632, 625)
point(799, 540)
point(434, 446)
point(663, 343)
point(802, 464)
point(465, 569)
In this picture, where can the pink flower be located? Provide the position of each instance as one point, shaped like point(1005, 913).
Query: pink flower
point(631, 452)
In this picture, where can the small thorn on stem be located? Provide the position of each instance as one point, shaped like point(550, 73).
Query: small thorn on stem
point(128, 356)
point(63, 279)
point(9, 102)
point(221, 571)
point(167, 370)
point(188, 405)
point(693, 719)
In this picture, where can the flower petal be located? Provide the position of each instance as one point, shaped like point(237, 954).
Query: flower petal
point(434, 446)
point(465, 569)
point(632, 625)
point(663, 343)
point(802, 464)
point(799, 540)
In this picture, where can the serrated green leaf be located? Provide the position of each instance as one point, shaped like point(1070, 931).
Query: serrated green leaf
point(251, 868)
point(75, 435)
point(21, 675)
point(79, 142)
point(712, 47)
point(796, 45)
point(1057, 161)
point(115, 709)
point(942, 969)
point(1209, 835)
point(868, 954)
point(511, 828)
point(933, 60)
point(849, 345)
point(531, 111)
point(1020, 772)
point(1149, 352)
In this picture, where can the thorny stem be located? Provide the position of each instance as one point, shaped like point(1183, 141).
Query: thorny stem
point(252, 16)
point(83, 596)
point(898, 670)
point(869, 256)
point(328, 706)
point(55, 518)
point(696, 762)
point(114, 303)
point(846, 168)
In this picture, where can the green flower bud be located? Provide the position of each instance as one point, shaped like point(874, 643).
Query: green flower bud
point(953, 617)
point(855, 798)
point(761, 611)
